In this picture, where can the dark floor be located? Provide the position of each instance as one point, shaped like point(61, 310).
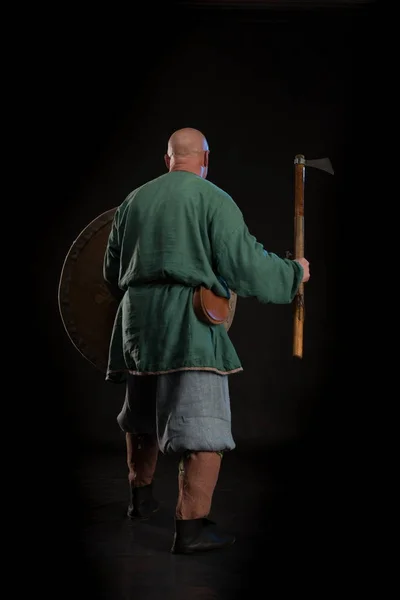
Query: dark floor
point(274, 501)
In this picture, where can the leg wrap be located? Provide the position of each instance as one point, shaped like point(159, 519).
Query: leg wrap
point(142, 454)
point(198, 476)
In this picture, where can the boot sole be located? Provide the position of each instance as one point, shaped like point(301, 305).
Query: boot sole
point(139, 518)
point(195, 551)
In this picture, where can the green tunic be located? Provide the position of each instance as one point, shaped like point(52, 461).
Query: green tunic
point(168, 236)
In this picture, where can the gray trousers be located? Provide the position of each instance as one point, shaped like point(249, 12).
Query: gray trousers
point(186, 411)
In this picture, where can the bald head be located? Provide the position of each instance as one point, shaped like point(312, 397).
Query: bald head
point(188, 151)
point(187, 142)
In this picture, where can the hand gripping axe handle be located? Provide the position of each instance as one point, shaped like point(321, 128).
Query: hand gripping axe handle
point(301, 163)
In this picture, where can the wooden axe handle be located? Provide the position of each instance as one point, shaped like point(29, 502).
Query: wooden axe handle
point(299, 308)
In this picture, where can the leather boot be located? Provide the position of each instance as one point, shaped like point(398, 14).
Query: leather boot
point(142, 504)
point(198, 535)
point(142, 454)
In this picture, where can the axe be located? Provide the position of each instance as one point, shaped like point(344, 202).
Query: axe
point(301, 163)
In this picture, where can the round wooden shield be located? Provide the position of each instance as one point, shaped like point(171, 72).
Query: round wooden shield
point(86, 306)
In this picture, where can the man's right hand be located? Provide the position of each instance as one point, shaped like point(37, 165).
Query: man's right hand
point(306, 268)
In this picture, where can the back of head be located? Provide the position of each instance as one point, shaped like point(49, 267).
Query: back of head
point(188, 151)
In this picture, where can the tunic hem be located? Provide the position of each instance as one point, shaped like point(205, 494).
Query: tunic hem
point(212, 369)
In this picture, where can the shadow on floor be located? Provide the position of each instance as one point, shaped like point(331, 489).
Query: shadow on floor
point(276, 502)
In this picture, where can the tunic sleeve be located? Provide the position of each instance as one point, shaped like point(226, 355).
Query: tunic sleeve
point(248, 269)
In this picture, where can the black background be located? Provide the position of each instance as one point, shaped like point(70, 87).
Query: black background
point(262, 86)
point(262, 91)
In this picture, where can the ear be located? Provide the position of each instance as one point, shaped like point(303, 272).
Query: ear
point(167, 161)
point(205, 163)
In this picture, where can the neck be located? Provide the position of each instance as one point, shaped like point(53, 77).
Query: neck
point(186, 165)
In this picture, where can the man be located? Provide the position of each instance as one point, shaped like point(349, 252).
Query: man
point(169, 236)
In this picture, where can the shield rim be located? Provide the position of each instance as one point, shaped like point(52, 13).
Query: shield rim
point(65, 278)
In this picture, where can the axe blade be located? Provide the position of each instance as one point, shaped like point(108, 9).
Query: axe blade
point(324, 164)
